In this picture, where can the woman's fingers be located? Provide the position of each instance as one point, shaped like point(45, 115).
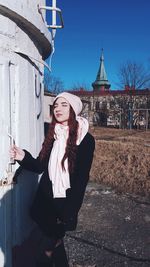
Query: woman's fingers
point(16, 153)
point(12, 152)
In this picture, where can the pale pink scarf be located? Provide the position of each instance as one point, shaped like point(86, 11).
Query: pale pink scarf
point(59, 177)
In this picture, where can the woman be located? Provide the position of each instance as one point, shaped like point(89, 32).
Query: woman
point(65, 161)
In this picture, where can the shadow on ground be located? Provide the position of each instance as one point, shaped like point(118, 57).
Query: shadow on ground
point(113, 230)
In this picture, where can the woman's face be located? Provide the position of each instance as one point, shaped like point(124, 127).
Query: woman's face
point(62, 110)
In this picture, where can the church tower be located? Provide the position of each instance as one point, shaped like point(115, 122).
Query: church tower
point(101, 83)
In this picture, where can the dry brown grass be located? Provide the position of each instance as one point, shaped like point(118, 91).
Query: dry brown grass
point(122, 159)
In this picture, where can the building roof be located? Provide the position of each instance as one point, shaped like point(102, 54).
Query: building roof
point(47, 93)
point(111, 92)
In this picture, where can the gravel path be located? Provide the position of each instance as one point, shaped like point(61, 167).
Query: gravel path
point(113, 230)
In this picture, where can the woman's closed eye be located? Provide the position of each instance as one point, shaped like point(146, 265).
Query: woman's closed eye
point(64, 105)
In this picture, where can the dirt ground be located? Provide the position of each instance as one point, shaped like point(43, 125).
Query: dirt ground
point(114, 221)
point(113, 230)
point(122, 159)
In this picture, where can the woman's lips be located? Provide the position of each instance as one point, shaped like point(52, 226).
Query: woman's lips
point(58, 115)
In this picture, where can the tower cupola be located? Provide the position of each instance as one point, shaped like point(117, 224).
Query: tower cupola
point(101, 83)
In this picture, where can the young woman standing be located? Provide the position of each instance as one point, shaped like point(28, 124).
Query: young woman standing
point(65, 161)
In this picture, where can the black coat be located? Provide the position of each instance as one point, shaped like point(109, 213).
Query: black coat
point(46, 210)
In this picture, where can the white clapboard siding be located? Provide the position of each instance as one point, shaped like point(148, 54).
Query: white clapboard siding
point(24, 44)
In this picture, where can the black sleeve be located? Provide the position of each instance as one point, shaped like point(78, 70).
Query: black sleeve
point(80, 179)
point(32, 164)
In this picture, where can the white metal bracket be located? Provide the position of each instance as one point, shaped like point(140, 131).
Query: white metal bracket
point(54, 10)
point(8, 176)
point(7, 179)
point(50, 8)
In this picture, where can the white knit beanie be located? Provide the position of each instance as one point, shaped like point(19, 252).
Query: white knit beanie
point(74, 101)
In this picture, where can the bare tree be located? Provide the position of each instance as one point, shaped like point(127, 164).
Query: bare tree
point(133, 75)
point(53, 84)
point(79, 86)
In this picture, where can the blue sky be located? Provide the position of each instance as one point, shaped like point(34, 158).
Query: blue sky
point(120, 27)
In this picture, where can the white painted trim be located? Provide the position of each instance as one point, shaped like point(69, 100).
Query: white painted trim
point(42, 62)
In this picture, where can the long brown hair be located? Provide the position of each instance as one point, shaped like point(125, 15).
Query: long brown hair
point(71, 147)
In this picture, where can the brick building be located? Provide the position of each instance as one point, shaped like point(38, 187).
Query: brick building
point(128, 108)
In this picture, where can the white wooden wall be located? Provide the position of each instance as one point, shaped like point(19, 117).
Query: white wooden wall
point(21, 113)
point(21, 109)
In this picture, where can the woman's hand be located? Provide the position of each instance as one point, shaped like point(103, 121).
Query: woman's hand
point(16, 153)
